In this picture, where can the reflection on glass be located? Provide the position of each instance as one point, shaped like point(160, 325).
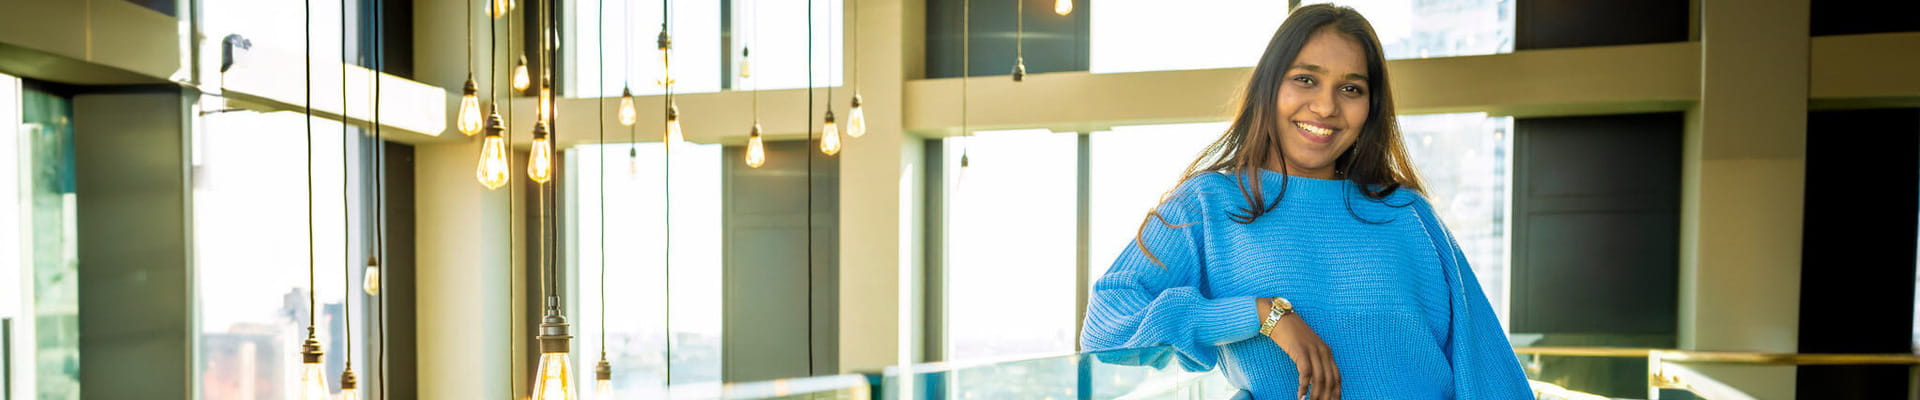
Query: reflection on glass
point(1109, 375)
point(634, 258)
point(47, 324)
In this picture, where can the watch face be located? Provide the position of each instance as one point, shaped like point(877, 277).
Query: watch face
point(1284, 304)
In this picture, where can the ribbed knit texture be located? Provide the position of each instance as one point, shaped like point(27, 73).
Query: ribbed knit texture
point(1395, 301)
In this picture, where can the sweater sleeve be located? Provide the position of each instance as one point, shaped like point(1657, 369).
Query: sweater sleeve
point(1140, 303)
point(1484, 365)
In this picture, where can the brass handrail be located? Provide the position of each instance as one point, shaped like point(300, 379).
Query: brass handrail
point(1725, 357)
point(1664, 369)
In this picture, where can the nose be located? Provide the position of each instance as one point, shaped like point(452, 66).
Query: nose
point(1322, 103)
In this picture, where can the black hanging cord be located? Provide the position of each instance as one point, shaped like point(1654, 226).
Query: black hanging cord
point(809, 151)
point(666, 76)
point(346, 271)
point(309, 107)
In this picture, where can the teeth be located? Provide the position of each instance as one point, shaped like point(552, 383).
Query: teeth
point(1315, 130)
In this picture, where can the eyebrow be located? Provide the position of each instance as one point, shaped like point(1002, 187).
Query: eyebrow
point(1319, 69)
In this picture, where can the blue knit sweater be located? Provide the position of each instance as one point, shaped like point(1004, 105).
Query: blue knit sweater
point(1395, 301)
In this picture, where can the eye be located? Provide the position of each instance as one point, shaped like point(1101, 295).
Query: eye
point(1353, 89)
point(1303, 79)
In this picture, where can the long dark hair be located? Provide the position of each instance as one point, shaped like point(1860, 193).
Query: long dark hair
point(1377, 162)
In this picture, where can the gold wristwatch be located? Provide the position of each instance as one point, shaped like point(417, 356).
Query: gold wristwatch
point(1280, 308)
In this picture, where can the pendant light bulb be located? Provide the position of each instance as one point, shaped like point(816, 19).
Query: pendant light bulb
point(633, 162)
point(521, 80)
point(313, 378)
point(492, 171)
point(829, 136)
point(673, 135)
point(665, 43)
point(540, 158)
point(349, 385)
point(469, 121)
point(856, 119)
point(603, 379)
point(1062, 7)
point(746, 63)
point(627, 115)
point(546, 103)
point(756, 149)
point(553, 380)
point(371, 281)
point(499, 8)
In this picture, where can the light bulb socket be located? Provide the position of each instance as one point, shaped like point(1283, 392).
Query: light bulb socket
point(373, 261)
point(755, 132)
point(347, 380)
point(963, 160)
point(471, 87)
point(310, 350)
point(553, 333)
point(829, 116)
point(745, 52)
point(495, 125)
point(856, 100)
point(673, 112)
point(626, 93)
point(665, 41)
point(603, 370)
point(539, 130)
point(1019, 69)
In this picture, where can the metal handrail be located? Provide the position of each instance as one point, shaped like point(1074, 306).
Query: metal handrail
point(1725, 357)
point(1664, 371)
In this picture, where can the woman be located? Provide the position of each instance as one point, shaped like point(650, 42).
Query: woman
point(1298, 251)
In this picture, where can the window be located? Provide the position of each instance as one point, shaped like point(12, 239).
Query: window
point(1233, 33)
point(636, 306)
point(779, 59)
point(1465, 161)
point(250, 193)
point(41, 264)
point(632, 55)
point(1010, 223)
point(1010, 258)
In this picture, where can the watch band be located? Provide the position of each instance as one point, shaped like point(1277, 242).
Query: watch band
point(1278, 309)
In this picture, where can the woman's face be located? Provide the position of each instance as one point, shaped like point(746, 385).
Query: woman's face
point(1323, 103)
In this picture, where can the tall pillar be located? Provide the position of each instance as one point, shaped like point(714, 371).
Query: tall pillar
point(1744, 174)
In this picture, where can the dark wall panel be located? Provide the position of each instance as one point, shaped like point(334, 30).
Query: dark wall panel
point(1596, 241)
point(1548, 24)
point(1847, 17)
point(1857, 264)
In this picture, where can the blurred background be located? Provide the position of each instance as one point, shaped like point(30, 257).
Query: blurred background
point(1662, 198)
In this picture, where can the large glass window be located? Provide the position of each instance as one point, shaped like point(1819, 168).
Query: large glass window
point(1010, 229)
point(1465, 161)
point(1233, 33)
point(42, 312)
point(776, 32)
point(635, 265)
point(1010, 258)
point(250, 191)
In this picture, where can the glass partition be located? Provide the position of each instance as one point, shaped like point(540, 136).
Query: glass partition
point(1147, 373)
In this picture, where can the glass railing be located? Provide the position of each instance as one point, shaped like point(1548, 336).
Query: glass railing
point(1556, 373)
point(1133, 374)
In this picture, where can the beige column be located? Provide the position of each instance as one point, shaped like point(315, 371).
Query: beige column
point(1743, 188)
point(461, 303)
point(879, 191)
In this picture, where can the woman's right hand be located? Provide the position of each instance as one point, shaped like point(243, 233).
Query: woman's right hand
point(1314, 360)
